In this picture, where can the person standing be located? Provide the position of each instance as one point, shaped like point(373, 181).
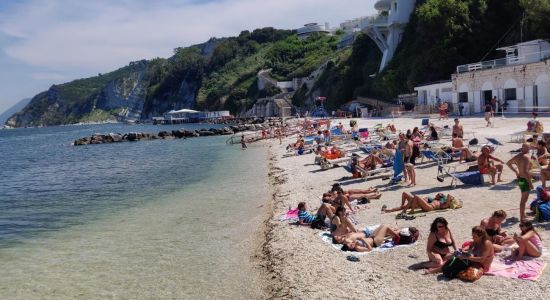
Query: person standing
point(521, 164)
point(488, 114)
point(494, 104)
point(243, 143)
point(410, 160)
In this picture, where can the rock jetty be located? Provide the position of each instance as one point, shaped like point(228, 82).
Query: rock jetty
point(174, 134)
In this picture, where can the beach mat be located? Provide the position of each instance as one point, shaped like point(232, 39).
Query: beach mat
point(527, 269)
point(388, 245)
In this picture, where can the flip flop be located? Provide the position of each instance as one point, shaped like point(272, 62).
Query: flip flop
point(400, 216)
point(352, 258)
point(384, 207)
point(408, 218)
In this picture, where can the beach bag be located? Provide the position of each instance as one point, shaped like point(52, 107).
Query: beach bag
point(473, 142)
point(318, 223)
point(454, 266)
point(542, 211)
point(471, 274)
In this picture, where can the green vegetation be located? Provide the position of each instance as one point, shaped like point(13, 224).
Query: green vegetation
point(441, 35)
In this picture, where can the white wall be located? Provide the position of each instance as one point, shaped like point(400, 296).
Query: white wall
point(434, 90)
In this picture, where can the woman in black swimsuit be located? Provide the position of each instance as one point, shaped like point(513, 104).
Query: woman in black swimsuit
point(492, 226)
point(439, 241)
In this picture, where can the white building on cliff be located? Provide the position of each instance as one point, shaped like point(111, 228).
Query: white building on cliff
point(385, 28)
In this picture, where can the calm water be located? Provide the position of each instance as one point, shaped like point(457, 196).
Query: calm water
point(151, 219)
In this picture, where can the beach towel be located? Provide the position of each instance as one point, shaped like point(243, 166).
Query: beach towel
point(471, 178)
point(528, 269)
point(327, 238)
point(291, 214)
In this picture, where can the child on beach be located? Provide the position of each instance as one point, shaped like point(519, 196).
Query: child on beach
point(529, 241)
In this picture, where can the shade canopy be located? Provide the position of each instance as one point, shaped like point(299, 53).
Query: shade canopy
point(182, 111)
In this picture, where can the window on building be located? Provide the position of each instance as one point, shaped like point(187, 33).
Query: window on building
point(510, 94)
point(395, 6)
point(463, 97)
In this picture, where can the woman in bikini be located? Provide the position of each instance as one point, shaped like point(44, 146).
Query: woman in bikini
point(356, 194)
point(412, 202)
point(492, 226)
point(366, 240)
point(529, 241)
point(439, 241)
point(479, 254)
point(340, 224)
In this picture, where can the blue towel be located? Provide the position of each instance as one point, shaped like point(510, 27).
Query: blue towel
point(471, 178)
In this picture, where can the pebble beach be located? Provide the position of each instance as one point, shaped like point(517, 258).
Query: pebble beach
point(302, 266)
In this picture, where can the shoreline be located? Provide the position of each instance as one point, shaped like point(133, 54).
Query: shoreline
point(301, 265)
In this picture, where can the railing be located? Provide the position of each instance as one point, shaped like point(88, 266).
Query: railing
point(503, 62)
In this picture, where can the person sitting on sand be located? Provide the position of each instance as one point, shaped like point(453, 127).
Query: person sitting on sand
point(492, 226)
point(485, 162)
point(366, 240)
point(337, 199)
point(305, 218)
point(479, 254)
point(439, 241)
point(340, 224)
point(356, 194)
point(529, 241)
point(427, 204)
point(458, 145)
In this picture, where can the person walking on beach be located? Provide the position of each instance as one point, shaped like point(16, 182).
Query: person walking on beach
point(521, 164)
point(488, 114)
point(494, 104)
point(410, 161)
point(243, 143)
point(279, 135)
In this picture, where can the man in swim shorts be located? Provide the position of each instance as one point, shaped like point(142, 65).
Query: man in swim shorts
point(521, 164)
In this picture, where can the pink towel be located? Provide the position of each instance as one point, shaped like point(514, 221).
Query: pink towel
point(529, 269)
point(292, 214)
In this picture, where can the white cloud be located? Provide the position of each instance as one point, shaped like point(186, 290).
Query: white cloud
point(99, 36)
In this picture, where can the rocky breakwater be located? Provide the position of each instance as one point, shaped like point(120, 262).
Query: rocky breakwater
point(144, 136)
point(174, 134)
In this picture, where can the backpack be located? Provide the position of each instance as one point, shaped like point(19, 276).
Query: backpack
point(454, 266)
point(407, 236)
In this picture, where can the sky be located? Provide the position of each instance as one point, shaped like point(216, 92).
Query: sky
point(45, 42)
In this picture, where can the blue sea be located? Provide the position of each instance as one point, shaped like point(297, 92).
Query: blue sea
point(147, 220)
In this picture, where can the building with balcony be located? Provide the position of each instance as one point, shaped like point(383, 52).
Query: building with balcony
point(311, 28)
point(520, 80)
point(385, 28)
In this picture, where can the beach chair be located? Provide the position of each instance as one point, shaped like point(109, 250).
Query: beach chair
point(466, 177)
point(435, 156)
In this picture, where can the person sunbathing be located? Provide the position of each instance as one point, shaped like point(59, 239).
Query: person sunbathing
point(340, 224)
point(305, 218)
point(458, 145)
point(357, 194)
point(486, 165)
point(492, 226)
point(366, 240)
point(529, 241)
point(427, 204)
point(371, 161)
point(437, 247)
